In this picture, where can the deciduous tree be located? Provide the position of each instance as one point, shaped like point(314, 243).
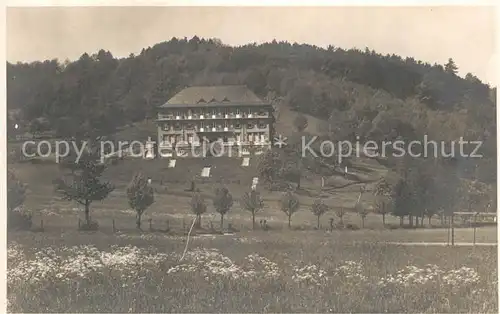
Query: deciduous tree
point(340, 212)
point(362, 211)
point(383, 192)
point(223, 201)
point(252, 202)
point(140, 196)
point(84, 185)
point(198, 207)
point(319, 208)
point(270, 167)
point(289, 205)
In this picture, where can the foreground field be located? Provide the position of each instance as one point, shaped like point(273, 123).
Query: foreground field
point(248, 272)
point(118, 269)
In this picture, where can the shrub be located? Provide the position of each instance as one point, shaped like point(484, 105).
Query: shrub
point(16, 194)
point(19, 220)
point(351, 227)
point(91, 225)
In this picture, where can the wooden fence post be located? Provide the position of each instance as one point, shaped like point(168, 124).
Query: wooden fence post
point(452, 231)
point(448, 230)
point(114, 228)
point(474, 241)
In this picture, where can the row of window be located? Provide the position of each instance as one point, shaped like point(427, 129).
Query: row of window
point(193, 139)
point(217, 113)
point(202, 125)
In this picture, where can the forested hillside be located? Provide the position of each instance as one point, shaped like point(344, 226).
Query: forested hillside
point(376, 97)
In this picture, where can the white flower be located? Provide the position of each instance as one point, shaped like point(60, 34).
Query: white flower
point(351, 271)
point(68, 263)
point(309, 274)
point(412, 275)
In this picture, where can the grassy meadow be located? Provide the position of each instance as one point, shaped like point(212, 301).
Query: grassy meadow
point(278, 270)
point(259, 271)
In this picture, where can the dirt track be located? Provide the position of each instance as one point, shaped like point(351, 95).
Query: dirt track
point(440, 244)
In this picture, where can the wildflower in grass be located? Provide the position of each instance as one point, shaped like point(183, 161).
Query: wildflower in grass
point(461, 277)
point(309, 274)
point(210, 262)
point(412, 275)
point(14, 253)
point(247, 240)
point(66, 264)
point(351, 270)
point(262, 265)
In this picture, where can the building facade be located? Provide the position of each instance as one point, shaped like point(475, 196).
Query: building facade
point(229, 119)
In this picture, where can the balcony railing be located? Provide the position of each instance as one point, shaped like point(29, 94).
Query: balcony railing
point(208, 116)
point(168, 145)
point(214, 129)
point(219, 128)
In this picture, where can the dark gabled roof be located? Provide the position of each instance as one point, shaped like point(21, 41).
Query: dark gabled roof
point(214, 95)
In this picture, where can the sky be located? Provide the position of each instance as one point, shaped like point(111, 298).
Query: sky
point(430, 34)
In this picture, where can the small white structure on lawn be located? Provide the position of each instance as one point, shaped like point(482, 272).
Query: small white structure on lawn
point(171, 163)
point(255, 181)
point(205, 172)
point(149, 149)
point(245, 162)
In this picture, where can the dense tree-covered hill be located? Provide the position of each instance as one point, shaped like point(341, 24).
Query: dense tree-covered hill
point(357, 93)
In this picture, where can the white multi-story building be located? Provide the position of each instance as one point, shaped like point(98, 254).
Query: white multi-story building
point(231, 115)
